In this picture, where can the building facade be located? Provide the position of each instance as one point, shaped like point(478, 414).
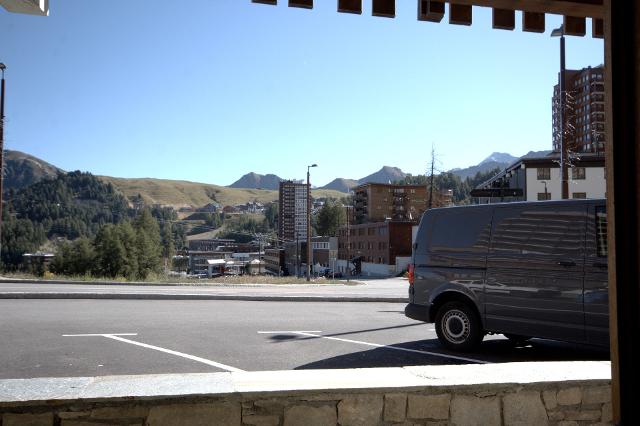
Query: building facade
point(376, 202)
point(379, 242)
point(537, 179)
point(292, 216)
point(584, 111)
point(275, 262)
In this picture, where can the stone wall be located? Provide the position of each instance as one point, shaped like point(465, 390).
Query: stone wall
point(561, 403)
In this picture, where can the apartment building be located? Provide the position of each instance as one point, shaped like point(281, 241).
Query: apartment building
point(292, 217)
point(584, 111)
point(376, 202)
point(536, 179)
point(379, 242)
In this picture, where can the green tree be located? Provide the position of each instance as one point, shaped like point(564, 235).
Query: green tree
point(19, 236)
point(329, 218)
point(111, 255)
point(148, 244)
point(75, 258)
point(271, 215)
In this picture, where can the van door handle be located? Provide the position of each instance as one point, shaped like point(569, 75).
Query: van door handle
point(566, 263)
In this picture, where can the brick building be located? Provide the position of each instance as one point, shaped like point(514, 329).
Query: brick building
point(377, 202)
point(379, 242)
point(584, 111)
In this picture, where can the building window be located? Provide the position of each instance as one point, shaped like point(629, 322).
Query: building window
point(544, 195)
point(579, 195)
point(578, 173)
point(544, 173)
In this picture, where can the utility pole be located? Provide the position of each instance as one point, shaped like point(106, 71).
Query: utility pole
point(431, 179)
point(309, 222)
point(564, 151)
point(2, 68)
point(348, 271)
point(297, 256)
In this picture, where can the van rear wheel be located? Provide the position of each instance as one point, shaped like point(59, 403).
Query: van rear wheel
point(458, 327)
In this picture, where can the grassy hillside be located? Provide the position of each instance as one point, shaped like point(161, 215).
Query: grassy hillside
point(179, 193)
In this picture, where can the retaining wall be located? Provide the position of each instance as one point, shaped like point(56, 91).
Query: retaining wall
point(563, 394)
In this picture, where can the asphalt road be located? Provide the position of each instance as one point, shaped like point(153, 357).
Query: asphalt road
point(69, 338)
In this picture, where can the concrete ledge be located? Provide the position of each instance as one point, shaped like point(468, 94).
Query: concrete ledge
point(186, 296)
point(195, 283)
point(554, 393)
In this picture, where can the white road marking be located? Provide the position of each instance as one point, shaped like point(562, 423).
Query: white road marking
point(396, 348)
point(100, 334)
point(158, 348)
point(289, 332)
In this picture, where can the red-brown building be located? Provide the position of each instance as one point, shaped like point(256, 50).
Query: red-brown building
point(584, 111)
point(379, 242)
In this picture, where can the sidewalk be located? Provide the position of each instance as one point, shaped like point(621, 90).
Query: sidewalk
point(379, 290)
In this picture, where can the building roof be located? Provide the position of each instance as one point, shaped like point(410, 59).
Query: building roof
point(551, 160)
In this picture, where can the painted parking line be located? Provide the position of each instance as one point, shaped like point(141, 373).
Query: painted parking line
point(117, 336)
point(376, 345)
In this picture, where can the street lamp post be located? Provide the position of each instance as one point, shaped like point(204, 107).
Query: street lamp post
point(545, 189)
point(564, 173)
point(309, 222)
point(2, 68)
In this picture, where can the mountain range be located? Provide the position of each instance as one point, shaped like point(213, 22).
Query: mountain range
point(21, 170)
point(386, 174)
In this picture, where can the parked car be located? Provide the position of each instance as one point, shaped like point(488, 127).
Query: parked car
point(531, 269)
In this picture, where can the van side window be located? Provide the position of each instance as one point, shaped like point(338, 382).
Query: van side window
point(461, 231)
point(601, 231)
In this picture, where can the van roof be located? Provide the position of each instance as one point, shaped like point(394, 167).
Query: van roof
point(523, 203)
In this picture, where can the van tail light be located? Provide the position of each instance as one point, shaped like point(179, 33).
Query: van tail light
point(410, 273)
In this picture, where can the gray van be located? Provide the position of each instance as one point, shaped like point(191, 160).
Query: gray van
point(530, 269)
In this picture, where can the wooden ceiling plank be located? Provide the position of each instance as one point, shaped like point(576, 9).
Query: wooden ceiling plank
point(586, 9)
point(533, 22)
point(575, 26)
point(350, 6)
point(384, 8)
point(305, 4)
point(429, 10)
point(597, 28)
point(460, 14)
point(504, 19)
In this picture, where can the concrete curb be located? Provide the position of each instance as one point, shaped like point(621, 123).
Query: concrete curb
point(157, 296)
point(168, 284)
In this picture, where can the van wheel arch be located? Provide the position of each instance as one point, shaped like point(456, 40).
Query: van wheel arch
point(452, 296)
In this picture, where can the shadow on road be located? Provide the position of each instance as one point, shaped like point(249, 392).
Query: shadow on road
point(494, 351)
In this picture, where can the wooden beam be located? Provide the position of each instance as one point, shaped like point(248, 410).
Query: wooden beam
point(305, 4)
point(460, 14)
point(350, 6)
point(597, 28)
point(271, 2)
point(622, 144)
point(578, 8)
point(429, 10)
point(504, 19)
point(533, 22)
point(384, 8)
point(574, 26)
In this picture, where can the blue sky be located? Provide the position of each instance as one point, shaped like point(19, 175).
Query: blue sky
point(218, 88)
